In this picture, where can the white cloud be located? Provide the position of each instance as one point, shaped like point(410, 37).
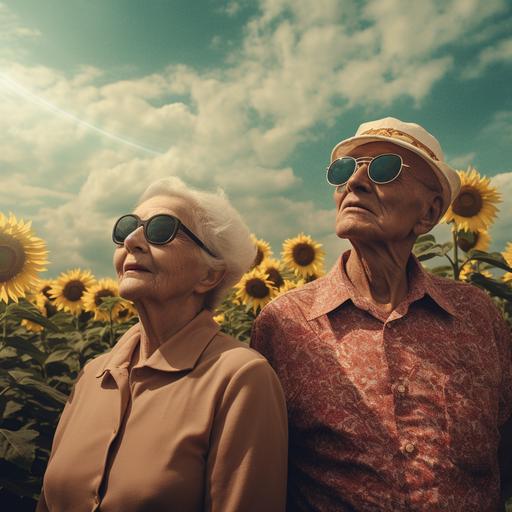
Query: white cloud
point(501, 230)
point(497, 53)
point(462, 161)
point(301, 64)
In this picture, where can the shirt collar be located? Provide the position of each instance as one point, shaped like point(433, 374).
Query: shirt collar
point(179, 352)
point(335, 288)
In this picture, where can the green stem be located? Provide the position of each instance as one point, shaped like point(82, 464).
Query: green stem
point(111, 328)
point(456, 268)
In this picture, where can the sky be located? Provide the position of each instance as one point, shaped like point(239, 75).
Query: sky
point(99, 98)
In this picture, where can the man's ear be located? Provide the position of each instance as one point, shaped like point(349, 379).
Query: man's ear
point(430, 216)
point(210, 280)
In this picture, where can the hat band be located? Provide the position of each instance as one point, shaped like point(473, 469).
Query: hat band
point(397, 134)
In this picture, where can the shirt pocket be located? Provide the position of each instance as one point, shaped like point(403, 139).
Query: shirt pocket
point(471, 418)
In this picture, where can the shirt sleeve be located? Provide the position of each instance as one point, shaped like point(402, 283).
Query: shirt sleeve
point(247, 461)
point(504, 343)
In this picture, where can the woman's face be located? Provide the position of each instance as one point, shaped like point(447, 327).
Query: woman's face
point(173, 270)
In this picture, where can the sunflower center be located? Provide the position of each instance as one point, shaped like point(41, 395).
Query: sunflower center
point(123, 313)
point(256, 288)
point(100, 294)
point(259, 257)
point(303, 254)
point(275, 276)
point(45, 291)
point(12, 257)
point(468, 203)
point(73, 290)
point(467, 240)
point(50, 308)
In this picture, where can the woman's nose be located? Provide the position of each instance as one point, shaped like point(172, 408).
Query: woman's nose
point(136, 240)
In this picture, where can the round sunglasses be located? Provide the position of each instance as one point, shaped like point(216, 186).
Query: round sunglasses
point(158, 230)
point(381, 169)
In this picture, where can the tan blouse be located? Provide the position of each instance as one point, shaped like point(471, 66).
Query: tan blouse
point(199, 426)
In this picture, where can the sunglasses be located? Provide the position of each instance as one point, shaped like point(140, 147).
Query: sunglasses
point(381, 169)
point(158, 230)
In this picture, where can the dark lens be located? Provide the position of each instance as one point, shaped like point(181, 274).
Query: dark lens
point(161, 229)
point(385, 168)
point(123, 227)
point(340, 170)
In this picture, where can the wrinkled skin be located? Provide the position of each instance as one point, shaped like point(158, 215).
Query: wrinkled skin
point(172, 290)
point(383, 221)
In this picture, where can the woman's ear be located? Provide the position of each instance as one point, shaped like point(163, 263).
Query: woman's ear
point(430, 216)
point(210, 280)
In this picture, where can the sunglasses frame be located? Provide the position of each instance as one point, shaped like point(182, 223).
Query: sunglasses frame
point(365, 160)
point(145, 223)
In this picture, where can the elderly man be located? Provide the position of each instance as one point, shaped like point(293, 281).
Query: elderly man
point(396, 380)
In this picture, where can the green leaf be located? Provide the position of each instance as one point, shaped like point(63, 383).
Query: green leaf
point(37, 387)
point(425, 238)
point(495, 259)
point(17, 447)
point(61, 355)
point(23, 346)
point(29, 312)
point(11, 408)
point(494, 287)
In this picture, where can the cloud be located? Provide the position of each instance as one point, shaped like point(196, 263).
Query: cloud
point(13, 34)
point(501, 232)
point(500, 52)
point(97, 142)
point(462, 161)
point(500, 127)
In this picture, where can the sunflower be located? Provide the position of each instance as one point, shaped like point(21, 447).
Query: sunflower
point(68, 289)
point(274, 270)
point(126, 312)
point(38, 300)
point(475, 206)
point(289, 285)
point(22, 257)
point(219, 318)
point(303, 255)
point(507, 254)
point(471, 268)
point(473, 240)
point(43, 290)
point(255, 289)
point(92, 299)
point(263, 250)
point(44, 286)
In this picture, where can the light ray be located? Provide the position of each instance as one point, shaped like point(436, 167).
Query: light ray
point(23, 92)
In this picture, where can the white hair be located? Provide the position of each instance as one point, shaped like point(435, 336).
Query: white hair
point(219, 226)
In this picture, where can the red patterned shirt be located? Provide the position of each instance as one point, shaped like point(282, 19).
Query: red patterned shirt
point(395, 412)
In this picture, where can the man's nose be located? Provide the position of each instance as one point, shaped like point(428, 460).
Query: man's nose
point(360, 179)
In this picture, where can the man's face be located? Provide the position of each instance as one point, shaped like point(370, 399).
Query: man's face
point(370, 212)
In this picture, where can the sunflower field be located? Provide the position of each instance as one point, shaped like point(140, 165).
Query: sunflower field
point(49, 328)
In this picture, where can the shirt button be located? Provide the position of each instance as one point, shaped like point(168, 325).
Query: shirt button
point(409, 447)
point(400, 388)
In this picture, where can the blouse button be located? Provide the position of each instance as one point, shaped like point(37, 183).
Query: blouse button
point(400, 388)
point(409, 447)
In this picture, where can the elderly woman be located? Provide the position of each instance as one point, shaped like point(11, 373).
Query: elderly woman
point(178, 416)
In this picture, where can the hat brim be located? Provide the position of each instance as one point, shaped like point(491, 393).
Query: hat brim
point(446, 175)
